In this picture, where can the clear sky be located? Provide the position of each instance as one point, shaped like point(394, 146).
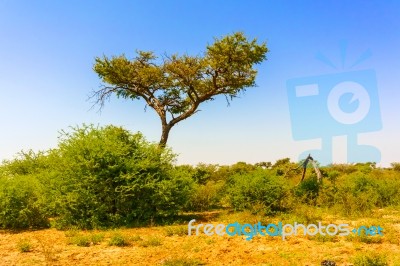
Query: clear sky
point(47, 51)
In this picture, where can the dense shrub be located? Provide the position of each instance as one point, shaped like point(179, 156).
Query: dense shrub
point(370, 260)
point(308, 190)
point(203, 173)
point(357, 193)
point(257, 191)
point(396, 167)
point(96, 177)
point(332, 175)
point(113, 177)
point(205, 197)
point(343, 168)
point(387, 187)
point(22, 204)
point(286, 168)
point(109, 177)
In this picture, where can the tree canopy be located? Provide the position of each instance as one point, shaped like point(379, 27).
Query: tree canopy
point(175, 85)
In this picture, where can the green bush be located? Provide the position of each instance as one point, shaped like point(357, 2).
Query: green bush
point(25, 163)
point(388, 187)
point(333, 175)
point(111, 177)
point(176, 230)
point(151, 242)
point(24, 245)
point(284, 167)
point(396, 167)
point(182, 262)
point(85, 240)
point(257, 191)
point(357, 194)
point(370, 260)
point(119, 240)
point(203, 173)
point(343, 168)
point(96, 238)
point(308, 190)
point(96, 177)
point(22, 204)
point(108, 177)
point(205, 197)
point(81, 240)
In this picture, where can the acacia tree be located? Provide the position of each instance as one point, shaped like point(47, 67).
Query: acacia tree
point(176, 85)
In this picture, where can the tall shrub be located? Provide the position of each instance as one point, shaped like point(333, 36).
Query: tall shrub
point(257, 191)
point(112, 177)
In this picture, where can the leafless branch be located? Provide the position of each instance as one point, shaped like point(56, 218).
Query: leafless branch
point(227, 101)
point(101, 96)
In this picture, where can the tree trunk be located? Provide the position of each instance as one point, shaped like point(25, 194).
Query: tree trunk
point(164, 135)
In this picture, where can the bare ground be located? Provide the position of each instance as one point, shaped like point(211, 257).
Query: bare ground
point(54, 247)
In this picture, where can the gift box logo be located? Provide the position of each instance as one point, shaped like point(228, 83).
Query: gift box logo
point(325, 106)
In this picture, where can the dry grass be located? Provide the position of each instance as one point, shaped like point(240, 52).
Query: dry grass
point(169, 246)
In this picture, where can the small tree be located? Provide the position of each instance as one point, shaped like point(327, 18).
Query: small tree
point(176, 85)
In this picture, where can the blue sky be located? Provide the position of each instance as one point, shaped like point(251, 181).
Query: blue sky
point(47, 51)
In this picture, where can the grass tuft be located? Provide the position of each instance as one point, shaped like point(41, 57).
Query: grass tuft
point(119, 240)
point(86, 240)
point(370, 260)
point(182, 262)
point(151, 242)
point(24, 245)
point(81, 240)
point(176, 230)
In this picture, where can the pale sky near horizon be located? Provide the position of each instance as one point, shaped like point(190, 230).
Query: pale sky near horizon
point(47, 51)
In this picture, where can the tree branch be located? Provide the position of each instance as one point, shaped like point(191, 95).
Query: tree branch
point(101, 96)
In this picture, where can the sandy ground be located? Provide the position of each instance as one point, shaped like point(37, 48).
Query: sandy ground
point(53, 247)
